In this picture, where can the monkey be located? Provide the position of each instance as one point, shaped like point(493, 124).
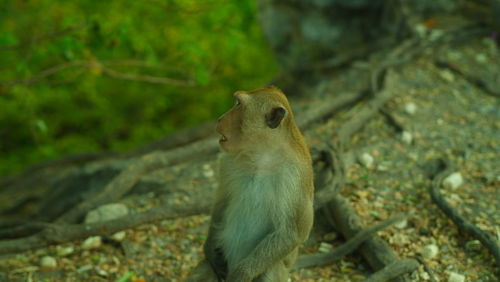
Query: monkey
point(263, 206)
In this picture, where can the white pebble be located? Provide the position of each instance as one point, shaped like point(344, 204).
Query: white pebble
point(456, 277)
point(410, 108)
point(429, 251)
point(401, 224)
point(407, 137)
point(48, 262)
point(425, 276)
point(92, 243)
point(107, 212)
point(64, 251)
point(453, 180)
point(325, 247)
point(119, 236)
point(366, 160)
point(481, 58)
point(447, 75)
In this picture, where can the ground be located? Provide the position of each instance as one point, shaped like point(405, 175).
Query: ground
point(442, 114)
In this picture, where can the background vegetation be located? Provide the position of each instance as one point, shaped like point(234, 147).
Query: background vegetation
point(87, 75)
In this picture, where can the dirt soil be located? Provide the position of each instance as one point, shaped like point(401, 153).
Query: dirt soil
point(441, 114)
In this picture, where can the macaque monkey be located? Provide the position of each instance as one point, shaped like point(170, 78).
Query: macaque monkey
point(264, 203)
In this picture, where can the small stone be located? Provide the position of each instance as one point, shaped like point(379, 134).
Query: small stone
point(447, 75)
point(425, 276)
point(84, 268)
point(92, 243)
point(64, 251)
point(456, 277)
point(325, 247)
point(119, 236)
point(208, 172)
point(366, 160)
point(407, 137)
point(453, 180)
point(420, 30)
point(401, 224)
point(473, 245)
point(410, 108)
point(429, 251)
point(481, 58)
point(101, 272)
point(107, 212)
point(48, 262)
point(330, 236)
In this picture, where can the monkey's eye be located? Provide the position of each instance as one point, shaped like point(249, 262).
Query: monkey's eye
point(237, 102)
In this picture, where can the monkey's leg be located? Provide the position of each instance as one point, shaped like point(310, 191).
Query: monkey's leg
point(202, 273)
point(277, 273)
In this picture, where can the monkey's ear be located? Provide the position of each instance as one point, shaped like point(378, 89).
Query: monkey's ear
point(275, 116)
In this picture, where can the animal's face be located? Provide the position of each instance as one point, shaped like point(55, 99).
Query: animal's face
point(255, 117)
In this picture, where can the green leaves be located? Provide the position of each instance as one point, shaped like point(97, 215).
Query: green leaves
point(82, 75)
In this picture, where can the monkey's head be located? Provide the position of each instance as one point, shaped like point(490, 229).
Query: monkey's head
point(257, 120)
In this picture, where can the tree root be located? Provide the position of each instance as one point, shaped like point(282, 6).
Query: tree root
point(62, 233)
point(490, 242)
point(346, 248)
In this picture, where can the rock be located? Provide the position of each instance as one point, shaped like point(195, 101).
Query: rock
point(107, 212)
point(84, 268)
point(401, 224)
point(101, 271)
point(481, 58)
point(453, 180)
point(330, 236)
point(425, 276)
point(407, 137)
point(410, 108)
point(119, 236)
point(456, 277)
point(64, 251)
point(48, 262)
point(447, 75)
point(92, 243)
point(366, 160)
point(325, 247)
point(429, 251)
point(208, 172)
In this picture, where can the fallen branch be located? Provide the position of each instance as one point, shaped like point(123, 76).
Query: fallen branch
point(127, 178)
point(62, 233)
point(492, 244)
point(375, 251)
point(346, 248)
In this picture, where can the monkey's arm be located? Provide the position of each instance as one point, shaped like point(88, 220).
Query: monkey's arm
point(213, 254)
point(273, 248)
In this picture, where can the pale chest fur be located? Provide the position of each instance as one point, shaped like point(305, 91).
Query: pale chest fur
point(258, 203)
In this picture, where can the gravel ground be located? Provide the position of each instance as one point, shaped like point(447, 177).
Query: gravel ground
point(442, 115)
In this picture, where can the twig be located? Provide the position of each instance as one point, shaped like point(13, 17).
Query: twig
point(489, 241)
point(348, 247)
point(39, 38)
point(100, 66)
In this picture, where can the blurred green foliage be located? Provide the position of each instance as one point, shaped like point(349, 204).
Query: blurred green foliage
point(87, 75)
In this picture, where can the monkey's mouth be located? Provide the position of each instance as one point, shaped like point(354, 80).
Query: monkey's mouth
point(222, 138)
